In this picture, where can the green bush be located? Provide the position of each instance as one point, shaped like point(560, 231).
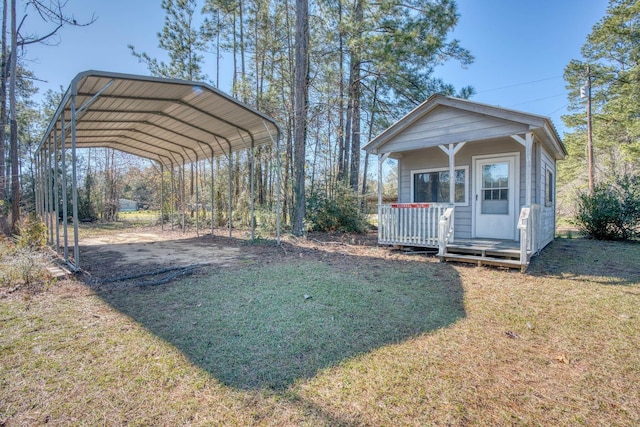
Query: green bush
point(32, 233)
point(341, 212)
point(613, 211)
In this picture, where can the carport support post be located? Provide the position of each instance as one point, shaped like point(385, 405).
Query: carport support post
point(74, 183)
point(230, 188)
point(38, 183)
point(173, 195)
point(38, 186)
point(65, 214)
point(56, 184)
point(212, 196)
point(197, 169)
point(47, 191)
point(252, 162)
point(43, 177)
point(184, 196)
point(51, 188)
point(161, 196)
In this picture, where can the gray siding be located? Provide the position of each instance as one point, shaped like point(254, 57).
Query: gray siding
point(435, 158)
point(431, 158)
point(446, 125)
point(548, 212)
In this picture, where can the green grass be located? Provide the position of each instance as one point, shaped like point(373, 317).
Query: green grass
point(254, 328)
point(142, 215)
point(386, 339)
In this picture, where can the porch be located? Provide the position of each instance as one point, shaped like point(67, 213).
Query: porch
point(432, 225)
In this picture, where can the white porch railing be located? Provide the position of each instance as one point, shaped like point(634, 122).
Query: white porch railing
point(410, 224)
point(445, 232)
point(530, 226)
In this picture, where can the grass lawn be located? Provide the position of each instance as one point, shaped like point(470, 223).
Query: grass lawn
point(340, 337)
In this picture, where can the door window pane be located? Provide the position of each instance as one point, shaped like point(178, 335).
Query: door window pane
point(495, 191)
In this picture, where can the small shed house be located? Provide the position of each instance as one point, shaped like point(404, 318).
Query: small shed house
point(126, 205)
point(475, 181)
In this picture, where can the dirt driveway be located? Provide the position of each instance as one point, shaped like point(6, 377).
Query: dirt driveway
point(109, 255)
point(130, 252)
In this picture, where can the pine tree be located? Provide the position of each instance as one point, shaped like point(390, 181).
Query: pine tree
point(182, 41)
point(611, 65)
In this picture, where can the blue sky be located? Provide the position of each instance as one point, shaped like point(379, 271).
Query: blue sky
point(520, 47)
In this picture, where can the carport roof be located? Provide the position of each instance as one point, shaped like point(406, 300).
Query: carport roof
point(167, 120)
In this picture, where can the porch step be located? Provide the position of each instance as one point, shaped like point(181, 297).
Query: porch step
point(484, 251)
point(484, 260)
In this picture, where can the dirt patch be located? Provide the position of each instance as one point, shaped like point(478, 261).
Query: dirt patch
point(132, 253)
point(126, 249)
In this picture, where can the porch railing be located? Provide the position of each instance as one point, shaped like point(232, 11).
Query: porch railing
point(445, 231)
point(410, 224)
point(530, 226)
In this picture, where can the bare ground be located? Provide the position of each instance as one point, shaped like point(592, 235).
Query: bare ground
point(149, 255)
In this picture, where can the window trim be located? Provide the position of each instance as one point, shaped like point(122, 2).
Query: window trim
point(446, 169)
point(549, 186)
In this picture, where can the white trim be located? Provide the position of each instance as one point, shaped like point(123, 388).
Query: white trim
point(467, 189)
point(527, 142)
point(549, 187)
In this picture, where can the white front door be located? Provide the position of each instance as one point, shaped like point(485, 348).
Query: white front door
point(495, 196)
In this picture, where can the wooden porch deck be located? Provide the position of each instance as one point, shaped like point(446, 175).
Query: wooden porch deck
point(431, 226)
point(496, 252)
point(485, 244)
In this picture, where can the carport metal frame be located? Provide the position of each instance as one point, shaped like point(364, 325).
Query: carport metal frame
point(172, 122)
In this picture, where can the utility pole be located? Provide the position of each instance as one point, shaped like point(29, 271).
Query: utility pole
point(589, 133)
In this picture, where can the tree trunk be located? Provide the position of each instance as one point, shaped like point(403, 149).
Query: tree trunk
point(354, 88)
point(366, 156)
point(243, 72)
point(341, 133)
point(13, 125)
point(301, 97)
point(3, 105)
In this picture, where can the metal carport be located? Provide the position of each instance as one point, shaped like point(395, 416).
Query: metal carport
point(172, 122)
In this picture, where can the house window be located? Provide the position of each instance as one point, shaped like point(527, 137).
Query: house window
point(432, 185)
point(549, 188)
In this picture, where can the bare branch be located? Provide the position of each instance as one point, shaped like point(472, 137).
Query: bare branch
point(53, 12)
point(26, 42)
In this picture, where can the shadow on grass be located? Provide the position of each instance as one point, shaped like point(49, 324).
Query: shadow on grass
point(602, 262)
point(272, 323)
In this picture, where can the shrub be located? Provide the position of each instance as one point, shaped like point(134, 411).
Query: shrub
point(22, 266)
point(341, 212)
point(613, 211)
point(32, 233)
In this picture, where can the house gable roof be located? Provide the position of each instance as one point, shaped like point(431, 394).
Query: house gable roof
point(443, 120)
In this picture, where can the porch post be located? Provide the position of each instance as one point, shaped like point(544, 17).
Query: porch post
point(452, 175)
point(451, 151)
point(381, 160)
point(527, 141)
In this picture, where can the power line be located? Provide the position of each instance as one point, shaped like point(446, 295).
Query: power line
point(539, 99)
point(520, 84)
point(558, 109)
